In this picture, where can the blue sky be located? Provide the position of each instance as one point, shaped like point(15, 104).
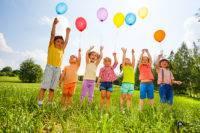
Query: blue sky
point(25, 27)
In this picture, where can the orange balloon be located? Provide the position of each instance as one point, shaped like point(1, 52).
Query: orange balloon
point(159, 35)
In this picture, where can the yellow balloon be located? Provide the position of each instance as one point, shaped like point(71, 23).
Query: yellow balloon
point(143, 12)
point(118, 19)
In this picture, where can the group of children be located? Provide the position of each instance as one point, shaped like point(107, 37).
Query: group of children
point(68, 78)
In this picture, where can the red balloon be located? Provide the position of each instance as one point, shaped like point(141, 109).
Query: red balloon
point(81, 24)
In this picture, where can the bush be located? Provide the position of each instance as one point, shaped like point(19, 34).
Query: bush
point(30, 72)
point(3, 74)
point(7, 69)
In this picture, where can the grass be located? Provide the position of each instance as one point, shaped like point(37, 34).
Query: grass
point(19, 113)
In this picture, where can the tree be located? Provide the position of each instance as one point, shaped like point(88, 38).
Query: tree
point(30, 72)
point(7, 69)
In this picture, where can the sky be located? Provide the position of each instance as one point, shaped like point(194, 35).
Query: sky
point(25, 27)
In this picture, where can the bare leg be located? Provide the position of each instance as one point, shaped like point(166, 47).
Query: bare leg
point(151, 102)
point(51, 94)
point(41, 94)
point(141, 104)
point(129, 99)
point(122, 98)
point(102, 100)
point(108, 93)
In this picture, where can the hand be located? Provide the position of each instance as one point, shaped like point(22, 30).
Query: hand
point(101, 48)
point(124, 50)
point(55, 21)
point(91, 47)
point(160, 56)
point(97, 84)
point(68, 30)
point(79, 50)
point(59, 84)
point(178, 82)
point(133, 51)
point(114, 54)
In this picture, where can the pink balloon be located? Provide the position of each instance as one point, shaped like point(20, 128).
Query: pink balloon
point(102, 14)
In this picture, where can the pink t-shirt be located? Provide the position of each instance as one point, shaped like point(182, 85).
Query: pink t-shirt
point(107, 74)
point(165, 76)
point(145, 72)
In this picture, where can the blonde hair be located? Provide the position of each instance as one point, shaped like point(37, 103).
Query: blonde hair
point(107, 59)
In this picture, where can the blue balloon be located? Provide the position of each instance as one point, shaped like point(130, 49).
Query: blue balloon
point(61, 8)
point(130, 19)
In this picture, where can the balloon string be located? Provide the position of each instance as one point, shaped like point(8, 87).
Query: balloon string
point(116, 40)
point(80, 40)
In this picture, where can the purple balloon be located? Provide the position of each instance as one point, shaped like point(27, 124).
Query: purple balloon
point(102, 14)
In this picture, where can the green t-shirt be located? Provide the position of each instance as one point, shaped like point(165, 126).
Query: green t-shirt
point(128, 74)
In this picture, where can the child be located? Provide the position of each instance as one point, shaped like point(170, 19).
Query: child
point(146, 79)
point(128, 81)
point(69, 79)
point(92, 61)
point(54, 60)
point(165, 80)
point(106, 77)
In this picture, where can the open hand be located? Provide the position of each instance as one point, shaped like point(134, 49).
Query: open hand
point(124, 50)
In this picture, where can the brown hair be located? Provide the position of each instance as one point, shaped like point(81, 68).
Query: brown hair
point(98, 56)
point(58, 37)
point(107, 58)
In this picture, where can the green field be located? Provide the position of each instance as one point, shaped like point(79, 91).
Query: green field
point(19, 113)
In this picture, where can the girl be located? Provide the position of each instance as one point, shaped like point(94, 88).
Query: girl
point(146, 79)
point(128, 81)
point(92, 61)
point(165, 80)
point(52, 71)
point(106, 77)
point(69, 79)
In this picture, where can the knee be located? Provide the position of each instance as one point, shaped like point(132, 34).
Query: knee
point(108, 97)
point(103, 96)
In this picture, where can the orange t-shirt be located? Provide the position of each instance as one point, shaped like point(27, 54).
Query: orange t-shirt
point(145, 72)
point(70, 73)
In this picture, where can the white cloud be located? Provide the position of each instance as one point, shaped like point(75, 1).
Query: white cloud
point(192, 32)
point(3, 45)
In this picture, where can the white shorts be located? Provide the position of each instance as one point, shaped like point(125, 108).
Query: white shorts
point(51, 77)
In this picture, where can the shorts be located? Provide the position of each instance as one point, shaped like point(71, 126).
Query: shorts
point(146, 90)
point(166, 93)
point(107, 86)
point(69, 89)
point(51, 77)
point(127, 88)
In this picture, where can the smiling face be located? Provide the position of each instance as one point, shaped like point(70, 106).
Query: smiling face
point(145, 60)
point(164, 64)
point(59, 43)
point(73, 59)
point(107, 62)
point(127, 61)
point(93, 56)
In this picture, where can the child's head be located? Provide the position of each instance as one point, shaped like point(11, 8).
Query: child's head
point(127, 61)
point(93, 56)
point(145, 60)
point(58, 41)
point(107, 61)
point(73, 59)
point(164, 63)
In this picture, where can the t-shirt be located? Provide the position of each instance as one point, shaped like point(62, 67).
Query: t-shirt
point(165, 76)
point(55, 56)
point(107, 74)
point(70, 73)
point(90, 71)
point(145, 72)
point(128, 74)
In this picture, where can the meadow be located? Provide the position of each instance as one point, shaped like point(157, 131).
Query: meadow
point(19, 113)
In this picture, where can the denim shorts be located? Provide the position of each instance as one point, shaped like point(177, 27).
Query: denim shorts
point(106, 86)
point(166, 93)
point(127, 88)
point(146, 90)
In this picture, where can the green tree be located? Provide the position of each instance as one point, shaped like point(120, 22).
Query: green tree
point(30, 72)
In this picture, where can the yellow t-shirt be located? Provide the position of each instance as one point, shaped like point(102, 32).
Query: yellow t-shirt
point(128, 74)
point(55, 56)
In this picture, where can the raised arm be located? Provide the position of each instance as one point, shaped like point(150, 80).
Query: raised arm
point(133, 58)
point(140, 59)
point(79, 57)
point(158, 63)
point(87, 54)
point(53, 31)
point(124, 56)
point(115, 59)
point(150, 58)
point(100, 56)
point(66, 37)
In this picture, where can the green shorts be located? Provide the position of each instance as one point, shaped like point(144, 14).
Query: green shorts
point(127, 88)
